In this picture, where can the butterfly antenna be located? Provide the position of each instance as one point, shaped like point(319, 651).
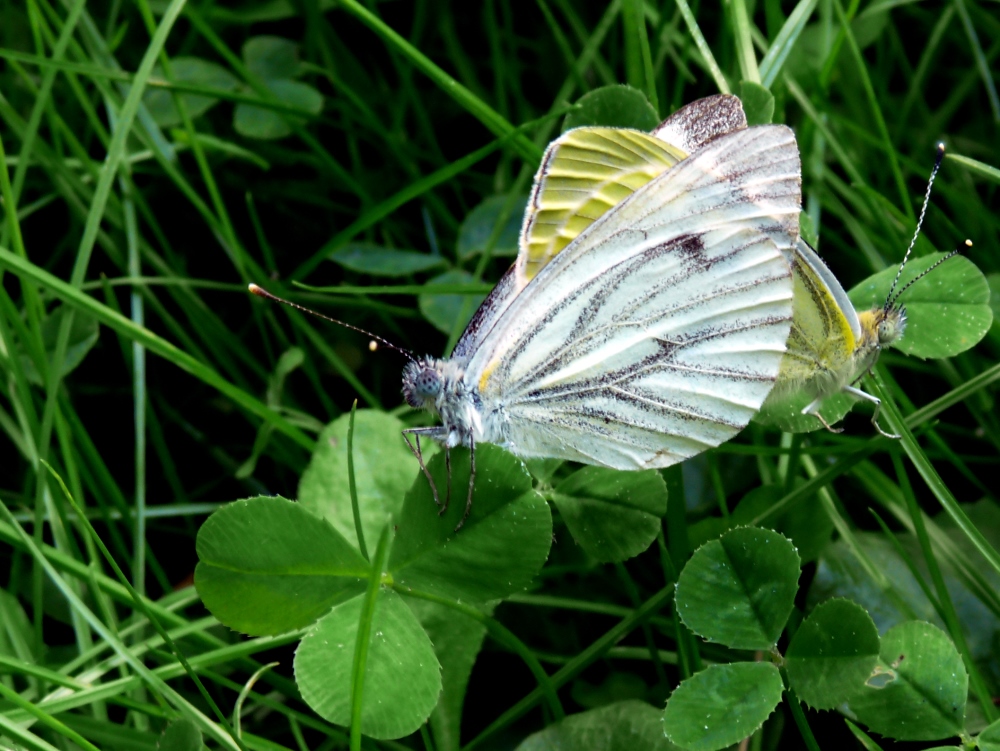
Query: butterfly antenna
point(261, 292)
point(892, 301)
point(920, 221)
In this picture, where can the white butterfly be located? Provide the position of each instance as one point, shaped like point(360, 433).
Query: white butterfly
point(632, 333)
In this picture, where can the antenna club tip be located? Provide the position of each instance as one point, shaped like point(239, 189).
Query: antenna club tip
point(968, 243)
point(255, 290)
point(940, 147)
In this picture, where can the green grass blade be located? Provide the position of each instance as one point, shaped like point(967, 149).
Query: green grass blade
point(506, 638)
point(138, 600)
point(981, 63)
point(364, 637)
point(706, 52)
point(934, 482)
point(772, 63)
point(117, 147)
point(44, 94)
point(980, 168)
point(45, 718)
point(888, 147)
point(944, 599)
point(465, 98)
point(352, 486)
point(744, 42)
point(150, 341)
point(376, 213)
point(123, 652)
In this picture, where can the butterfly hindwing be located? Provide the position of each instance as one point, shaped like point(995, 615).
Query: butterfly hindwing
point(588, 171)
point(584, 173)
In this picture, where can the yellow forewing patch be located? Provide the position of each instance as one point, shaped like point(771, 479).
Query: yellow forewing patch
point(585, 173)
point(485, 377)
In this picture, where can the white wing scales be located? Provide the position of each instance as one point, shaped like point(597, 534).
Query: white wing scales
point(659, 331)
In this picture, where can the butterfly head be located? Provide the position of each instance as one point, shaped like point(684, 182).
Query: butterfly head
point(891, 325)
point(422, 383)
point(881, 327)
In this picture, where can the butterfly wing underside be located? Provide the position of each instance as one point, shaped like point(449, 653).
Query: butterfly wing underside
point(824, 335)
point(825, 329)
point(659, 331)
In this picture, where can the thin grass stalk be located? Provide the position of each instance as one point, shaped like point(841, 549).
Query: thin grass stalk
point(982, 66)
point(777, 52)
point(583, 37)
point(355, 509)
point(188, 303)
point(374, 214)
point(43, 96)
point(46, 719)
point(465, 98)
point(647, 632)
point(801, 721)
point(688, 658)
point(233, 244)
point(632, 32)
point(362, 643)
point(966, 568)
point(927, 54)
point(706, 52)
point(324, 156)
point(562, 43)
point(744, 43)
point(876, 574)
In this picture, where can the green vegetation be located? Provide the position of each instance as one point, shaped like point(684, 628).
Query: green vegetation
point(372, 160)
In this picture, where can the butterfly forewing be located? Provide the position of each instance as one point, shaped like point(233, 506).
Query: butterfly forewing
point(659, 331)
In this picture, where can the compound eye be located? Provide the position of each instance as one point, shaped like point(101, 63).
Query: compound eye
point(428, 383)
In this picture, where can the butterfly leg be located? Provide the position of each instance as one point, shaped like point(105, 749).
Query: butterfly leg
point(472, 482)
point(420, 460)
point(813, 409)
point(447, 490)
point(878, 406)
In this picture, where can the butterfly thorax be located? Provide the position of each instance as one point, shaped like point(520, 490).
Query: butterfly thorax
point(439, 387)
